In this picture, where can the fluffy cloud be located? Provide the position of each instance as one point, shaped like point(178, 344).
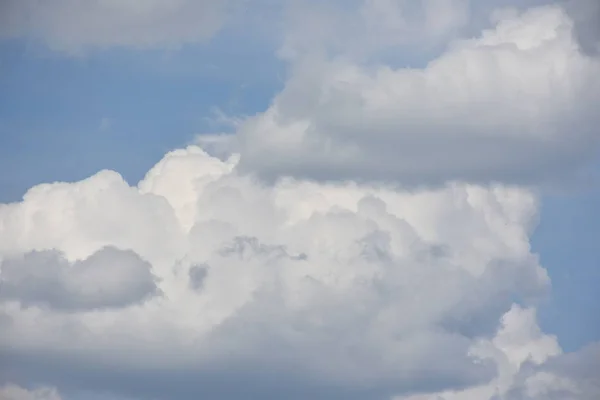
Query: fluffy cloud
point(531, 366)
point(570, 376)
point(74, 26)
point(515, 104)
point(297, 290)
point(390, 259)
point(577, 370)
point(108, 278)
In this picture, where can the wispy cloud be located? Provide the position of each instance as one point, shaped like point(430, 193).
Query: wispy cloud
point(74, 26)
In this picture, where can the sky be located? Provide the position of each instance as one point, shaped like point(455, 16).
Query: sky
point(301, 199)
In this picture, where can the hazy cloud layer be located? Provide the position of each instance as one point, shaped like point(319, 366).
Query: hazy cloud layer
point(74, 26)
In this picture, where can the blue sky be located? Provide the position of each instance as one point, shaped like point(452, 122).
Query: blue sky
point(119, 110)
point(66, 114)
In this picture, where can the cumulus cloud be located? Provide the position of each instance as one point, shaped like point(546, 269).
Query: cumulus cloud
point(298, 289)
point(531, 366)
point(75, 26)
point(389, 259)
point(570, 376)
point(514, 104)
point(108, 278)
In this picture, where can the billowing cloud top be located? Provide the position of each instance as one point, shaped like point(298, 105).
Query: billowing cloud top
point(516, 104)
point(386, 255)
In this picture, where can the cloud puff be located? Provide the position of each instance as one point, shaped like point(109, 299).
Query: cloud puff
point(108, 278)
point(571, 376)
point(515, 105)
point(579, 369)
point(74, 26)
point(531, 366)
point(298, 289)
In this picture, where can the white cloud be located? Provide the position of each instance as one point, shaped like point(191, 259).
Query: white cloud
point(75, 26)
point(531, 366)
point(517, 341)
point(515, 104)
point(570, 376)
point(332, 289)
point(202, 281)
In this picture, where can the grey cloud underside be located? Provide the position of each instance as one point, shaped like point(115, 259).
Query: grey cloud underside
point(68, 26)
point(234, 381)
point(586, 17)
point(110, 278)
point(515, 104)
point(197, 275)
point(273, 370)
point(580, 368)
point(583, 364)
point(242, 246)
point(418, 162)
point(272, 352)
